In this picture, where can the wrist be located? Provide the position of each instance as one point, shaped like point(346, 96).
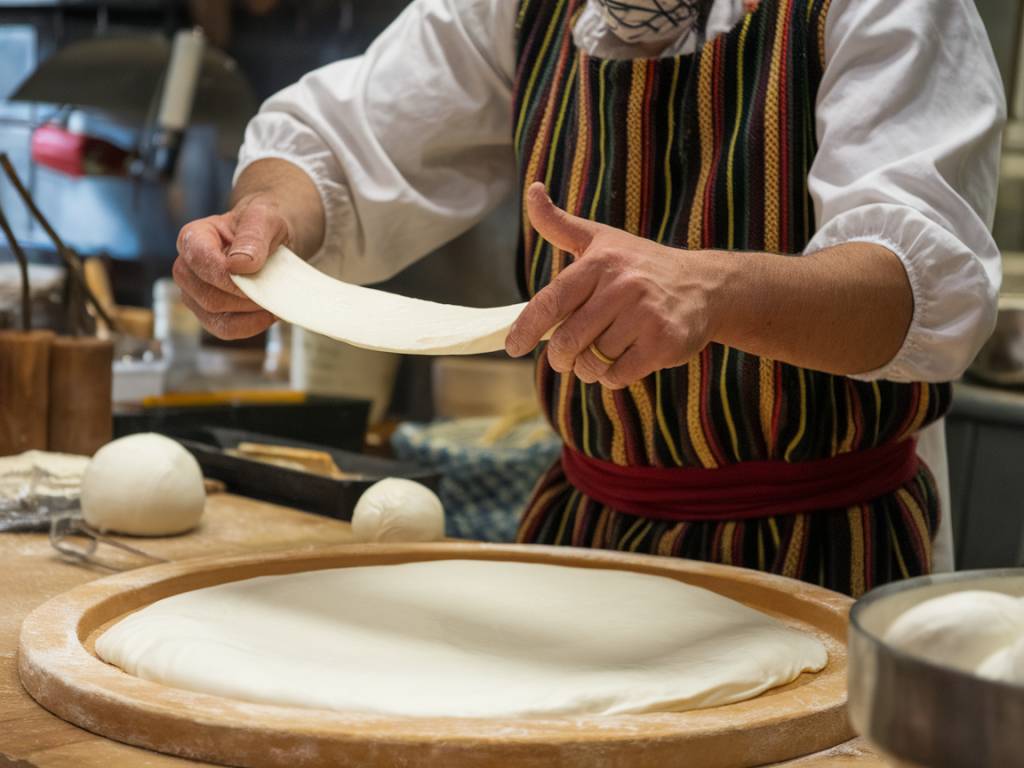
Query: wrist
point(723, 278)
point(286, 190)
point(272, 211)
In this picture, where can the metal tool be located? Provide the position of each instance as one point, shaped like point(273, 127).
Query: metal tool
point(66, 528)
point(921, 713)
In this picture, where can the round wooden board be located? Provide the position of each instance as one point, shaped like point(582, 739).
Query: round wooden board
point(59, 669)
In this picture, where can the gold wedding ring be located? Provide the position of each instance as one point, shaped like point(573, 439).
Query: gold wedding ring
point(601, 355)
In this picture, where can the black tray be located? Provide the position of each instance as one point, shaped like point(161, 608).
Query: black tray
point(289, 487)
point(335, 422)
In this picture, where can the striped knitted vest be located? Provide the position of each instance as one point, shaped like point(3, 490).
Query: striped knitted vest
point(709, 150)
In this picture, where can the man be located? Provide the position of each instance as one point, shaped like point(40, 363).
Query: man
point(718, 398)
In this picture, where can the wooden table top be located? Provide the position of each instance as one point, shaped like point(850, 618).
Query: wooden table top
point(31, 573)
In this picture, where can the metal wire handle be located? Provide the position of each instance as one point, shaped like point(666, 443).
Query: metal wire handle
point(67, 526)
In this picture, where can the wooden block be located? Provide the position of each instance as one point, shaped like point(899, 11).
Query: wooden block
point(24, 390)
point(31, 573)
point(58, 668)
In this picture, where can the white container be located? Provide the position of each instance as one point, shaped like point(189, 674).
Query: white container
point(466, 386)
point(136, 379)
point(174, 325)
point(322, 366)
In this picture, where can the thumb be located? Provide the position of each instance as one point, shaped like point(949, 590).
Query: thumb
point(259, 230)
point(561, 229)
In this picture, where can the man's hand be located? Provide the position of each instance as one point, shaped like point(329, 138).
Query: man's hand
point(275, 203)
point(643, 305)
point(211, 249)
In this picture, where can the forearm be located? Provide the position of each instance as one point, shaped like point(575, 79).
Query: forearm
point(843, 310)
point(286, 187)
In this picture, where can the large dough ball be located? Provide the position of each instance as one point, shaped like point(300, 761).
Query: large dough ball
point(397, 509)
point(1006, 664)
point(145, 484)
point(959, 630)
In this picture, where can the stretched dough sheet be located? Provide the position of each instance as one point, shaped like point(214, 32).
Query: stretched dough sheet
point(463, 638)
point(295, 291)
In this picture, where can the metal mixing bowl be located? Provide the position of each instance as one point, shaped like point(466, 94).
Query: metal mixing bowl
point(920, 713)
point(1001, 360)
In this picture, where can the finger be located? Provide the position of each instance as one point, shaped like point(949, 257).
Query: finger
point(632, 365)
point(209, 297)
point(589, 368)
point(553, 303)
point(584, 372)
point(230, 325)
point(259, 230)
point(561, 229)
point(620, 336)
point(201, 245)
point(571, 339)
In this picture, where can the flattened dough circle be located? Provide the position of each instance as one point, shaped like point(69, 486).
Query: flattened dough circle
point(295, 291)
point(463, 638)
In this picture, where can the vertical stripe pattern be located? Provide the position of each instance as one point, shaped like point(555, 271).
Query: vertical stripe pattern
point(704, 151)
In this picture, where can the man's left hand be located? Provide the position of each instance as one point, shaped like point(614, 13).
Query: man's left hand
point(641, 305)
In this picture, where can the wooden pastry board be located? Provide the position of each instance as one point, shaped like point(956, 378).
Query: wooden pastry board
point(59, 669)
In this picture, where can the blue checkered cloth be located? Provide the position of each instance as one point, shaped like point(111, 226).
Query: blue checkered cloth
point(484, 489)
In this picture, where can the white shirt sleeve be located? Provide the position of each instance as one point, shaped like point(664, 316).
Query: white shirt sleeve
point(410, 144)
point(909, 118)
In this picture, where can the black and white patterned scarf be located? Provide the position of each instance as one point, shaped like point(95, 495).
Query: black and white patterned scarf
point(651, 21)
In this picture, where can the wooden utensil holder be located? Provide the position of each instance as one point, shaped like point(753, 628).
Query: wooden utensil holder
point(24, 390)
point(80, 418)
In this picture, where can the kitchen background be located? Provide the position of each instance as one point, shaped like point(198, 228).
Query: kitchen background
point(81, 115)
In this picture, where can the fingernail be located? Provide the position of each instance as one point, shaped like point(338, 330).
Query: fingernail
point(243, 250)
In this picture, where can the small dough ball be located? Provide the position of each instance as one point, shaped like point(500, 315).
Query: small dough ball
point(397, 509)
point(146, 485)
point(959, 630)
point(1006, 664)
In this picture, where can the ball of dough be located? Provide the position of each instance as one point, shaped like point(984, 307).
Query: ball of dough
point(959, 630)
point(1006, 664)
point(146, 485)
point(397, 509)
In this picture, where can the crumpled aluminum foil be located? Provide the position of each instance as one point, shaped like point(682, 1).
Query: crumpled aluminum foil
point(36, 487)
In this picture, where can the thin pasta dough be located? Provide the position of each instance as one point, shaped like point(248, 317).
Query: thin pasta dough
point(463, 638)
point(297, 292)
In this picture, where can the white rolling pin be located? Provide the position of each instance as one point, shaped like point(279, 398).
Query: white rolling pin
point(181, 80)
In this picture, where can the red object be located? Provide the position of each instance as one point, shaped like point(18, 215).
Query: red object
point(745, 491)
point(77, 154)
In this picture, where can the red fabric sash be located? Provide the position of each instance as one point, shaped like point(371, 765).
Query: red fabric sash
point(745, 491)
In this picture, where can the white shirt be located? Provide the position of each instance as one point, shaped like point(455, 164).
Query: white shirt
point(410, 145)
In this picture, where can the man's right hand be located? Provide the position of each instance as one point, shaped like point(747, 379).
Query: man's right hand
point(275, 203)
point(211, 249)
